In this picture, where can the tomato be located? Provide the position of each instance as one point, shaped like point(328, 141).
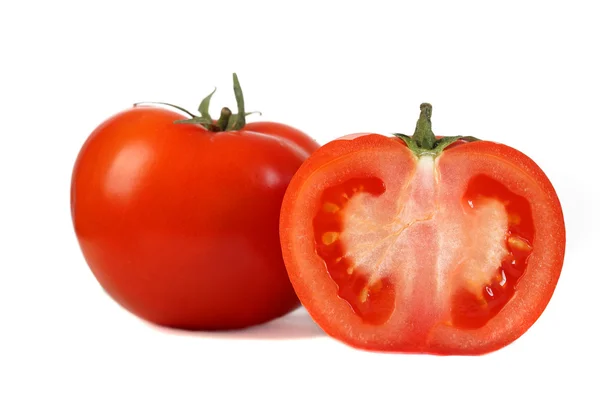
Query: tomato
point(179, 221)
point(422, 244)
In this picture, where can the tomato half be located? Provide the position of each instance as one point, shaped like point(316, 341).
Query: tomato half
point(179, 222)
point(422, 244)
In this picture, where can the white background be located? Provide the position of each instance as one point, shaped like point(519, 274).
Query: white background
point(521, 73)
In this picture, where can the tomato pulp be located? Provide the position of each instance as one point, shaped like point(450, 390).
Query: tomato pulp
point(422, 244)
point(179, 221)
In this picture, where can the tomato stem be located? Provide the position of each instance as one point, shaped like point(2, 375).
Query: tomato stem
point(227, 121)
point(423, 141)
point(141, 103)
point(221, 124)
point(205, 105)
point(240, 119)
point(423, 135)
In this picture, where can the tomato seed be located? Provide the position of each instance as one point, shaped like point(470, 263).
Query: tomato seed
point(330, 237)
point(331, 207)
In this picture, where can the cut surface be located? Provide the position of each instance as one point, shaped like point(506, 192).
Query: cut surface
point(432, 257)
point(459, 254)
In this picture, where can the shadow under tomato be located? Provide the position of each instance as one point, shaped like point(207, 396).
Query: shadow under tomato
point(296, 325)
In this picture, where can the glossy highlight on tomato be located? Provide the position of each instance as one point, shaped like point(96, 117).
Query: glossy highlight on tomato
point(441, 245)
point(178, 218)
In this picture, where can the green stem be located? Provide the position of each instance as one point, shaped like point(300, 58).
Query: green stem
point(205, 105)
point(221, 124)
point(165, 104)
point(240, 120)
point(227, 121)
point(424, 142)
point(423, 135)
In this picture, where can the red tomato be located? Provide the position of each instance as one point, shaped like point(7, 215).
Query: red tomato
point(422, 244)
point(179, 224)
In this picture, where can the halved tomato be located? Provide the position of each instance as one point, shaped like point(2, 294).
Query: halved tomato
point(447, 245)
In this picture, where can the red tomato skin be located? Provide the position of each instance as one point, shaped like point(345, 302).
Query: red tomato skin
point(285, 131)
point(318, 292)
point(180, 225)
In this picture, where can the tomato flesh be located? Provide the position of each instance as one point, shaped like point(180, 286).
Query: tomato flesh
point(372, 294)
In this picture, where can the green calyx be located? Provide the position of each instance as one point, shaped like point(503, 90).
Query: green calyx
point(423, 141)
point(227, 120)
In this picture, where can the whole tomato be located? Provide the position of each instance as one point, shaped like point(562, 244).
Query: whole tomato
point(178, 219)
